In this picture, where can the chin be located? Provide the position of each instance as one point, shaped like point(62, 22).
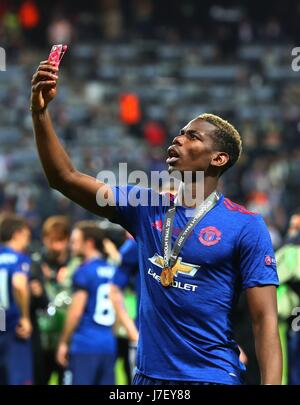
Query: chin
point(175, 172)
point(172, 169)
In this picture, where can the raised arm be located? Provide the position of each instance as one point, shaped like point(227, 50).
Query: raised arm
point(60, 172)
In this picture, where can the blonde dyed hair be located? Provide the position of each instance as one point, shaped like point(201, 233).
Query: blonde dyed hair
point(226, 137)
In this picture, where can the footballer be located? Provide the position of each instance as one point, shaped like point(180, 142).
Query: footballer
point(194, 260)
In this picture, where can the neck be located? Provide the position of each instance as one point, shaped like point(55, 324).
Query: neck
point(14, 246)
point(195, 192)
point(62, 257)
point(92, 254)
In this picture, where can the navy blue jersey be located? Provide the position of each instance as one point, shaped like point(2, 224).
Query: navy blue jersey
point(94, 333)
point(11, 262)
point(128, 270)
point(185, 331)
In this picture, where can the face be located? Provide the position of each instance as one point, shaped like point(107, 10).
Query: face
point(23, 237)
point(77, 243)
point(294, 227)
point(55, 247)
point(194, 150)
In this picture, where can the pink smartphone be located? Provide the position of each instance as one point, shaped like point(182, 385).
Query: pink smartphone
point(56, 54)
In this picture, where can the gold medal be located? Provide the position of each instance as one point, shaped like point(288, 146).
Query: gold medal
point(167, 276)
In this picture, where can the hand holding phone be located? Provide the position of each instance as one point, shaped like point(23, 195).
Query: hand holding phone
point(44, 80)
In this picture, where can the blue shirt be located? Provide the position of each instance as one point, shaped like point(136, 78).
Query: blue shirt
point(185, 331)
point(128, 269)
point(94, 333)
point(11, 262)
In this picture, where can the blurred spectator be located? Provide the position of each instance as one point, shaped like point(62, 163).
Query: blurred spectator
point(154, 133)
point(60, 31)
point(130, 112)
point(288, 263)
point(143, 13)
point(29, 15)
point(53, 267)
point(111, 19)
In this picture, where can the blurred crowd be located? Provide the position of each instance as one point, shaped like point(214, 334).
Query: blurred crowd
point(130, 90)
point(134, 74)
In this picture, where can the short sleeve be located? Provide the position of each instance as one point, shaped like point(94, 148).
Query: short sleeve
point(256, 255)
point(121, 277)
point(129, 264)
point(132, 202)
point(129, 253)
point(23, 266)
point(80, 280)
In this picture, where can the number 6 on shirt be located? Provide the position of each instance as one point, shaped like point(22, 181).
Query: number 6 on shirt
point(104, 311)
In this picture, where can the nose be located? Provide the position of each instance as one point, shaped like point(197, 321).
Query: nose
point(178, 140)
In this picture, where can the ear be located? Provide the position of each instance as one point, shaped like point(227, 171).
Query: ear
point(219, 159)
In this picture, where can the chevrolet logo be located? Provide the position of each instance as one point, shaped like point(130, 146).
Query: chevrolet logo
point(180, 267)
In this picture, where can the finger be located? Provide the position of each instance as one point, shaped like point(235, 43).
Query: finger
point(42, 85)
point(47, 62)
point(41, 75)
point(48, 67)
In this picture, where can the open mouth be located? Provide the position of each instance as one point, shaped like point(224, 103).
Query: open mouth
point(173, 155)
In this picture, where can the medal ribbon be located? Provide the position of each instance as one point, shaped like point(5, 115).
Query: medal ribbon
point(170, 255)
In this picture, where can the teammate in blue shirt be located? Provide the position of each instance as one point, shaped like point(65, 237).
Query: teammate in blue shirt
point(15, 344)
point(194, 257)
point(127, 272)
point(88, 336)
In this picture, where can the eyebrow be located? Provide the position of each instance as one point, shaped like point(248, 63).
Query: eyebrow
point(191, 131)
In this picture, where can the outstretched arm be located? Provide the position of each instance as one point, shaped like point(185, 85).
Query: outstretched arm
point(60, 172)
point(263, 310)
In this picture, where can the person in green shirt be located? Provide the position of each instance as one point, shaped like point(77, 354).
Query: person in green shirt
point(288, 294)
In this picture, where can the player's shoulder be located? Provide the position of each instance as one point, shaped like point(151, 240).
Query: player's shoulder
point(96, 268)
point(128, 247)
point(24, 258)
point(80, 274)
point(8, 256)
point(104, 269)
point(24, 262)
point(240, 212)
point(83, 269)
point(250, 224)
